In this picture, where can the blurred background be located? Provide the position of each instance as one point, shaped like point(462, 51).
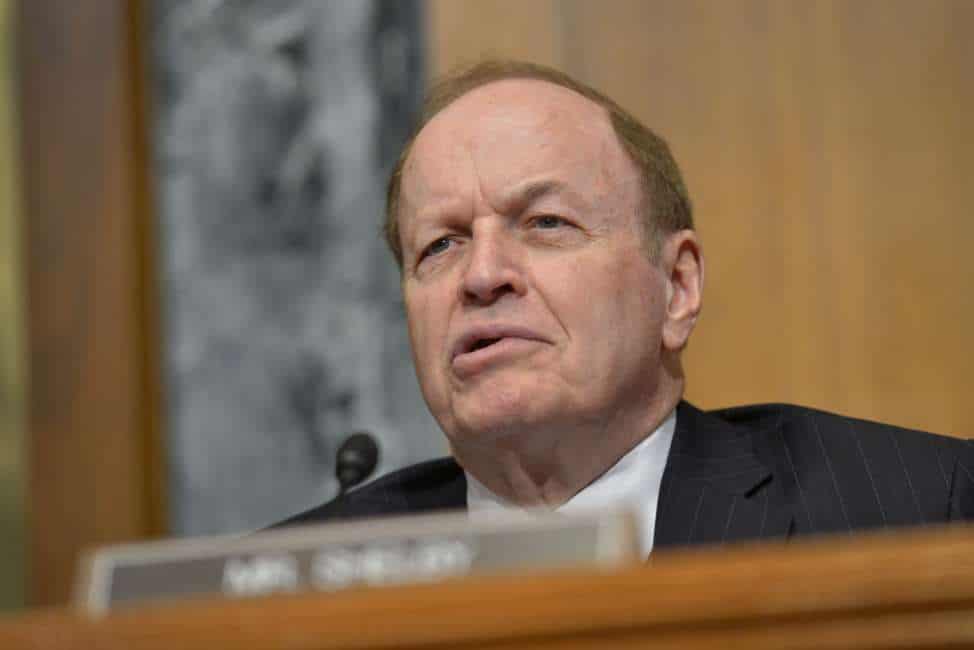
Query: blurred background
point(195, 307)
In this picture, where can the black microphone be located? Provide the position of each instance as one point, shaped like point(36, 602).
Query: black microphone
point(356, 459)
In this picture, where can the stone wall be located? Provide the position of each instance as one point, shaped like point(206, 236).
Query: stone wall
point(276, 124)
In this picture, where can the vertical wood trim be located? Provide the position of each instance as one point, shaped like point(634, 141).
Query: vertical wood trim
point(89, 411)
point(12, 470)
point(149, 281)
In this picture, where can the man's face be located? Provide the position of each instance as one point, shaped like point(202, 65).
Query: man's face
point(532, 304)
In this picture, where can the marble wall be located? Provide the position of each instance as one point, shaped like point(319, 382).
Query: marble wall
point(276, 124)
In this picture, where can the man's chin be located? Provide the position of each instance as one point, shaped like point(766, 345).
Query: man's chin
point(500, 406)
point(490, 425)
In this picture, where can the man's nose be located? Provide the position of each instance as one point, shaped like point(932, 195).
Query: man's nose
point(493, 270)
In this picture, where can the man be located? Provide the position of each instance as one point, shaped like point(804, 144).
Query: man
point(552, 277)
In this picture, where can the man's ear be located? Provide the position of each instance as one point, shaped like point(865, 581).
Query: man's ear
point(681, 258)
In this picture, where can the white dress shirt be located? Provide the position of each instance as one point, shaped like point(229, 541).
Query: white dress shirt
point(633, 481)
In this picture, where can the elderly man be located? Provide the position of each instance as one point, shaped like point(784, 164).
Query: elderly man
point(552, 277)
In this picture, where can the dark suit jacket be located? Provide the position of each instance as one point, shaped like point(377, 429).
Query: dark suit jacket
point(753, 472)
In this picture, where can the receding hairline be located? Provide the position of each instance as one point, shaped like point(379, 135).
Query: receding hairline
point(512, 81)
point(417, 137)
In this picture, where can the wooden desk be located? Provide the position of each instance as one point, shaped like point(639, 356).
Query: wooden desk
point(905, 590)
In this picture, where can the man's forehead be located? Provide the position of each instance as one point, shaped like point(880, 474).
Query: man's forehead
point(490, 121)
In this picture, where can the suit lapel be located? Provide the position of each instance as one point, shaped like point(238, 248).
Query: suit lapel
point(716, 488)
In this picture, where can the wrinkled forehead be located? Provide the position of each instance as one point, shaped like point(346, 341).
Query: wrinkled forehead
point(509, 130)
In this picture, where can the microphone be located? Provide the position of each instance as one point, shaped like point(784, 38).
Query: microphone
point(357, 457)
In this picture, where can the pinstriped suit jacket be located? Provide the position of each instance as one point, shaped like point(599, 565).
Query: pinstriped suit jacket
point(753, 472)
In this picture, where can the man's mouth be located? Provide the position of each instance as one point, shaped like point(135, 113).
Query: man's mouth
point(480, 337)
point(485, 346)
point(480, 344)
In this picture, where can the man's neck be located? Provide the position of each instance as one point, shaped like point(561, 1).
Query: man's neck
point(547, 468)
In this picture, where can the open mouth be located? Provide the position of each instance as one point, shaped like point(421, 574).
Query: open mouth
point(480, 344)
point(505, 339)
point(491, 348)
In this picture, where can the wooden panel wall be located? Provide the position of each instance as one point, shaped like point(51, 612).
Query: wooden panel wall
point(91, 392)
point(829, 149)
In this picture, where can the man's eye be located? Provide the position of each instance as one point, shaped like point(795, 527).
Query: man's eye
point(548, 222)
point(437, 246)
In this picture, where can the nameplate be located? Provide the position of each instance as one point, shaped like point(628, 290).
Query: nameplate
point(332, 557)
